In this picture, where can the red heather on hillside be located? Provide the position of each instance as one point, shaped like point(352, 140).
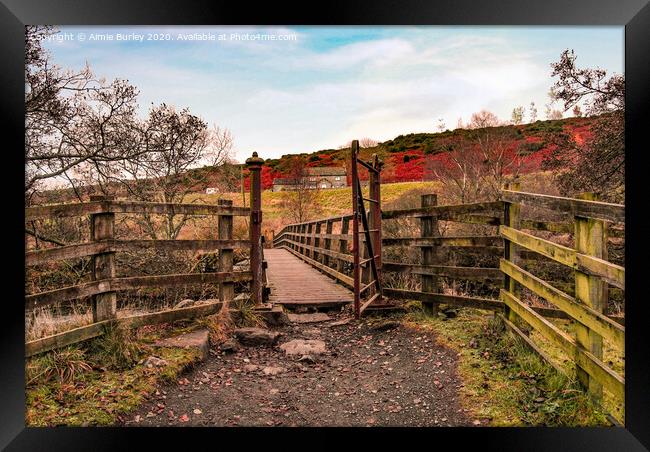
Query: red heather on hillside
point(528, 146)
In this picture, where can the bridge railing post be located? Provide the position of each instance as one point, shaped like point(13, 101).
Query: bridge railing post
point(255, 167)
point(102, 227)
point(226, 289)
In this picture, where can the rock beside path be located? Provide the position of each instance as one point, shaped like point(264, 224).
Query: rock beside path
point(198, 339)
point(309, 318)
point(256, 336)
point(304, 347)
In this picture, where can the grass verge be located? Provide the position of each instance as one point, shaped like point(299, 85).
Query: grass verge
point(94, 384)
point(504, 383)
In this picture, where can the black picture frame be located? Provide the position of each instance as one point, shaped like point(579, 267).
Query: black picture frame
point(633, 14)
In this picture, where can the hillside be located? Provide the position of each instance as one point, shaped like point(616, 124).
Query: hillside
point(405, 157)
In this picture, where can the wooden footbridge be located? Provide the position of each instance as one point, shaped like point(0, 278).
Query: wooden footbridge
point(293, 282)
point(341, 260)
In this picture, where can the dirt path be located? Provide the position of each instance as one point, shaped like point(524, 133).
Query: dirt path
point(367, 377)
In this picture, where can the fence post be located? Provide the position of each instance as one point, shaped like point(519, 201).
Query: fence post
point(328, 242)
point(255, 167)
point(226, 289)
point(343, 243)
point(511, 218)
point(102, 227)
point(429, 228)
point(590, 290)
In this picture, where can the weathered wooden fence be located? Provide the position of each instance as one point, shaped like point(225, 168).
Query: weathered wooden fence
point(325, 244)
point(592, 272)
point(104, 285)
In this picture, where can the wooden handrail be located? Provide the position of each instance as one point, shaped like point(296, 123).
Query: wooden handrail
point(95, 207)
point(571, 206)
point(43, 256)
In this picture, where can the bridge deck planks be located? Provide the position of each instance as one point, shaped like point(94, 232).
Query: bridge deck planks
point(293, 282)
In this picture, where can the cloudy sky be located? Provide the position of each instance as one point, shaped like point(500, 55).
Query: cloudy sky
point(287, 90)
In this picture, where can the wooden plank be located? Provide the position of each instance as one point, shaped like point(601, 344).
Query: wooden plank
point(65, 210)
point(70, 337)
point(610, 380)
point(95, 207)
point(134, 282)
point(83, 290)
point(612, 273)
point(470, 302)
point(466, 241)
point(175, 208)
point(39, 257)
point(584, 314)
point(76, 251)
point(180, 245)
point(181, 279)
point(171, 315)
point(574, 207)
point(444, 270)
point(330, 271)
point(443, 212)
point(97, 329)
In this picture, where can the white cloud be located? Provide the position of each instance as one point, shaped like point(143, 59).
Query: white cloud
point(283, 97)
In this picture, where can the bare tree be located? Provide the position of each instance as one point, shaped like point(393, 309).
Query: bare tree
point(483, 119)
point(301, 201)
point(461, 171)
point(176, 143)
point(517, 115)
point(72, 118)
point(532, 112)
point(478, 166)
point(365, 143)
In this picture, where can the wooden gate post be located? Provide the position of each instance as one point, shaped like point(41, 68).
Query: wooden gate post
point(255, 167)
point(429, 228)
point(102, 227)
point(590, 239)
point(374, 219)
point(355, 229)
point(226, 289)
